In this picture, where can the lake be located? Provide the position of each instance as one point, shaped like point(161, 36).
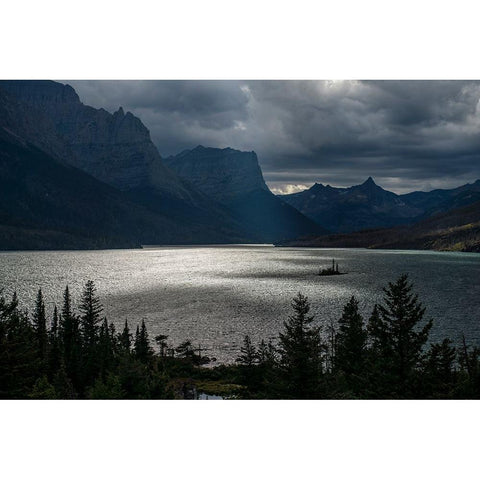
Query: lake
point(214, 295)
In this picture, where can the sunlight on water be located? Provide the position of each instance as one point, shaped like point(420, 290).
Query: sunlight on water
point(216, 295)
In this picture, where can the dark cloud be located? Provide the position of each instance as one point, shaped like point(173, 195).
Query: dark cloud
point(406, 134)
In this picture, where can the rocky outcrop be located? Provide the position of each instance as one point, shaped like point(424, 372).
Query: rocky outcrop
point(234, 179)
point(222, 174)
point(114, 148)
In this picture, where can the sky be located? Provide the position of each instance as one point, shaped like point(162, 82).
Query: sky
point(407, 135)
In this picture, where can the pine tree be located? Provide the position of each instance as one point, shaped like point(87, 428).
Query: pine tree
point(53, 333)
point(39, 320)
point(90, 308)
point(125, 339)
point(439, 370)
point(18, 351)
point(350, 357)
point(249, 368)
point(249, 355)
point(301, 352)
point(398, 336)
point(142, 348)
point(70, 339)
point(105, 353)
point(54, 354)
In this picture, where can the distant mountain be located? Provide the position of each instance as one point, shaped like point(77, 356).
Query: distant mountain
point(369, 206)
point(455, 230)
point(234, 179)
point(441, 200)
point(355, 208)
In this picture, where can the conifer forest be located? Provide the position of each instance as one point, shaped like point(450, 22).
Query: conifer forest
point(80, 355)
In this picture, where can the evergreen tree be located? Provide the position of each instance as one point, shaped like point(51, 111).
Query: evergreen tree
point(18, 351)
point(54, 354)
point(469, 360)
point(53, 333)
point(248, 361)
point(70, 339)
point(439, 370)
point(125, 339)
point(90, 308)
point(399, 336)
point(142, 348)
point(301, 352)
point(249, 355)
point(39, 320)
point(350, 352)
point(105, 355)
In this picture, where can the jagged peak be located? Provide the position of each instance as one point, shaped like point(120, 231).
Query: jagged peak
point(369, 181)
point(120, 112)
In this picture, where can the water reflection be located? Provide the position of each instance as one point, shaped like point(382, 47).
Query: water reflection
point(216, 295)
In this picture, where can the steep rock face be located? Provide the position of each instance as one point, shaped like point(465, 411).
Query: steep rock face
point(222, 174)
point(355, 208)
point(235, 180)
point(115, 149)
point(191, 216)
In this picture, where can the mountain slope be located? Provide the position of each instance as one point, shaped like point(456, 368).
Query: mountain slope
point(234, 179)
point(45, 204)
point(455, 230)
point(115, 149)
point(368, 206)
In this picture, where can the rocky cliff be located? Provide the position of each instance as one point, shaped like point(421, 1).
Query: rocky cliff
point(234, 179)
point(114, 148)
point(222, 174)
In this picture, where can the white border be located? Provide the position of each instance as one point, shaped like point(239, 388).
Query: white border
point(226, 40)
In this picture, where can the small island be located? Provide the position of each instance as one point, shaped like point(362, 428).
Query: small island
point(333, 270)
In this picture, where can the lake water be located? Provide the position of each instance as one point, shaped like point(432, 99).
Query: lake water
point(215, 295)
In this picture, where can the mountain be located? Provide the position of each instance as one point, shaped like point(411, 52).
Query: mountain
point(354, 208)
point(116, 150)
point(455, 230)
point(441, 200)
point(234, 179)
point(221, 174)
point(369, 206)
point(49, 205)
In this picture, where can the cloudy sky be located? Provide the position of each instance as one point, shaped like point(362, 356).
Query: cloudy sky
point(408, 135)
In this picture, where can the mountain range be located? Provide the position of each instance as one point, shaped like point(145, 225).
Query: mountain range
point(454, 230)
point(369, 206)
point(50, 140)
point(74, 176)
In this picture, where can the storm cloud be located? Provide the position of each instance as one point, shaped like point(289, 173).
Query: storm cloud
point(408, 135)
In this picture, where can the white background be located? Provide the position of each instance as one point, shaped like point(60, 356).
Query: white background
point(247, 40)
